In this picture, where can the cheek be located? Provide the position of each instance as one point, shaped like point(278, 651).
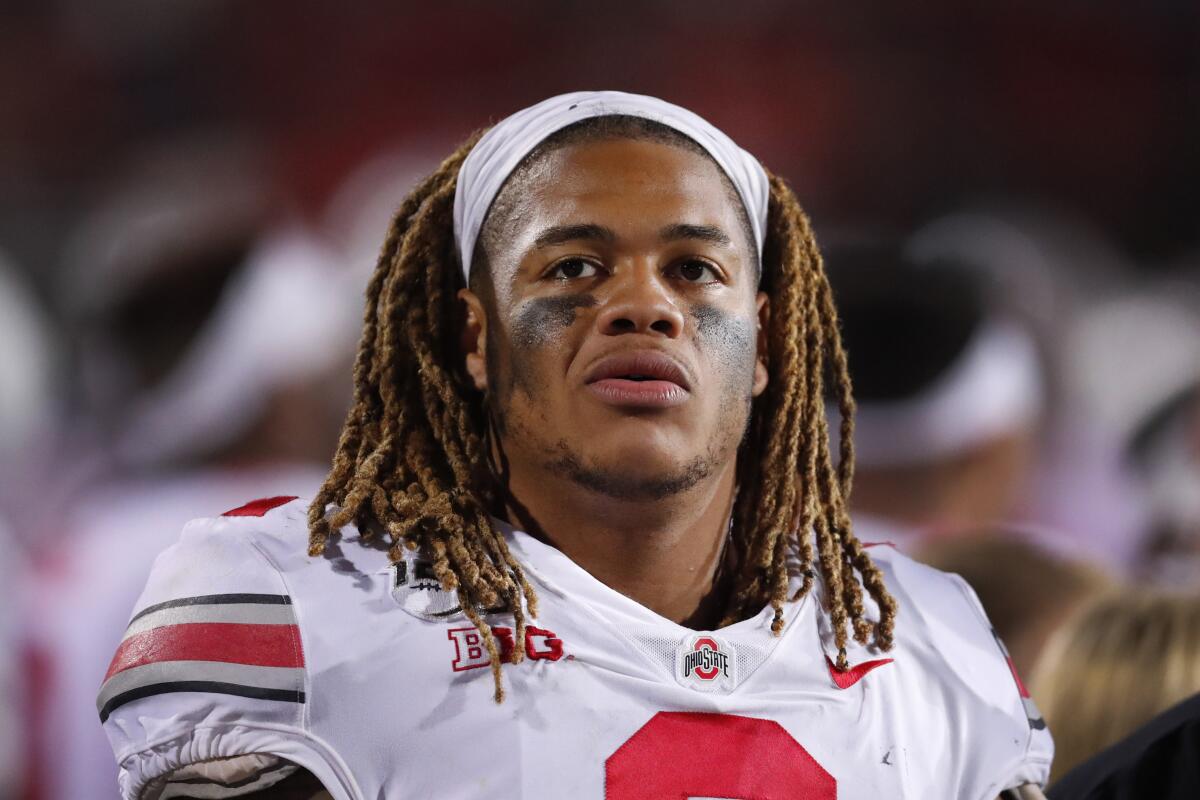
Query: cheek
point(537, 327)
point(541, 321)
point(728, 340)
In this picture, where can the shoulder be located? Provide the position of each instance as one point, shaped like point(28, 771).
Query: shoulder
point(934, 604)
point(264, 524)
point(212, 664)
point(938, 602)
point(227, 552)
point(941, 618)
point(215, 613)
point(261, 544)
point(943, 627)
point(224, 607)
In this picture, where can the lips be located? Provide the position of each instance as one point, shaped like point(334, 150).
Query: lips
point(638, 379)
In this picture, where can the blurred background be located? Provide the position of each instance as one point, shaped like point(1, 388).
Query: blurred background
point(192, 195)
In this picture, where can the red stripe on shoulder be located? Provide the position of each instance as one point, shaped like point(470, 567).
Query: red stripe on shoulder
point(884, 543)
point(1016, 676)
point(259, 507)
point(232, 643)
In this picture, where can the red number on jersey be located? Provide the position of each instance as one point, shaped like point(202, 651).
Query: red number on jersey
point(682, 754)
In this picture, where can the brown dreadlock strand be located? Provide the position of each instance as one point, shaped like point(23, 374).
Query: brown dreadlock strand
point(413, 461)
point(788, 485)
point(409, 459)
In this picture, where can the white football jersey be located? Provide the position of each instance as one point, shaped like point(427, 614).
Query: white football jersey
point(366, 674)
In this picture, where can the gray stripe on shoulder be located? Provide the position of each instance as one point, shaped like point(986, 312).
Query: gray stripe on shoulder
point(243, 613)
point(282, 678)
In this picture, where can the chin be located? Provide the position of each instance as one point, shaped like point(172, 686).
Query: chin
point(637, 470)
point(645, 451)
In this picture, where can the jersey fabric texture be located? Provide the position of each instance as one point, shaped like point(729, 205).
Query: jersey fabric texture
point(367, 674)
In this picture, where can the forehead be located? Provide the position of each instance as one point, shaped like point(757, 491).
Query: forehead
point(630, 185)
point(642, 169)
point(646, 177)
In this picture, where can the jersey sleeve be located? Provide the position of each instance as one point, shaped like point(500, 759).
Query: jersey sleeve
point(212, 669)
point(1033, 764)
point(1003, 739)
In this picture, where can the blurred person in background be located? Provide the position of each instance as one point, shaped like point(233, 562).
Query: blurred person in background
point(30, 405)
point(28, 402)
point(1027, 589)
point(206, 330)
point(1158, 760)
point(1137, 358)
point(948, 392)
point(357, 216)
point(14, 680)
point(1118, 662)
point(1048, 268)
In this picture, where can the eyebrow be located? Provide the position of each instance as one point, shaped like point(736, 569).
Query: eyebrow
point(705, 233)
point(561, 234)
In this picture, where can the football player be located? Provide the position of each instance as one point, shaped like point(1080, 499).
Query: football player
point(583, 535)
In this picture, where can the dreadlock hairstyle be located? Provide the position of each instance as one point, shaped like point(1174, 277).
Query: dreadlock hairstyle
point(413, 462)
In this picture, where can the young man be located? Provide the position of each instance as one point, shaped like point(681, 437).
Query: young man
point(593, 542)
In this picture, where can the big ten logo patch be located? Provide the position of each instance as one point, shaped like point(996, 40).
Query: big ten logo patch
point(471, 653)
point(706, 663)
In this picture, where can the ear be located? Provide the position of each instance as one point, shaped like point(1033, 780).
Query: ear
point(761, 376)
point(474, 338)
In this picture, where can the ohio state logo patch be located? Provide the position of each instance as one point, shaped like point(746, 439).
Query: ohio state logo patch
point(470, 652)
point(706, 663)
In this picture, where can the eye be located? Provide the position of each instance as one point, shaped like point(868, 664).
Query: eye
point(572, 268)
point(697, 271)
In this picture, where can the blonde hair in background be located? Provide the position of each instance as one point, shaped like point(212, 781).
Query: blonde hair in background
point(1120, 661)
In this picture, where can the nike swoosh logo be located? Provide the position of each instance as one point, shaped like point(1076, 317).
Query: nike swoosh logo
point(847, 678)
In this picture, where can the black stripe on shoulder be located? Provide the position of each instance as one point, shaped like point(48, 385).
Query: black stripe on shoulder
point(215, 600)
point(213, 687)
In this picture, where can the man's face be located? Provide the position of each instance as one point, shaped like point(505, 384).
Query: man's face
point(621, 345)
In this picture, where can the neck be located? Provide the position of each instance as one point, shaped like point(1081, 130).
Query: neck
point(663, 553)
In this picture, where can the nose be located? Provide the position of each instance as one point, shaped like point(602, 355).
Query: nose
point(640, 303)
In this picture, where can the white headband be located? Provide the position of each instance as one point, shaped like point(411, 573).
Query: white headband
point(501, 149)
point(995, 388)
point(286, 316)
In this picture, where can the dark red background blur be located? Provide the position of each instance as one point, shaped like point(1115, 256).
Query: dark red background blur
point(888, 113)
